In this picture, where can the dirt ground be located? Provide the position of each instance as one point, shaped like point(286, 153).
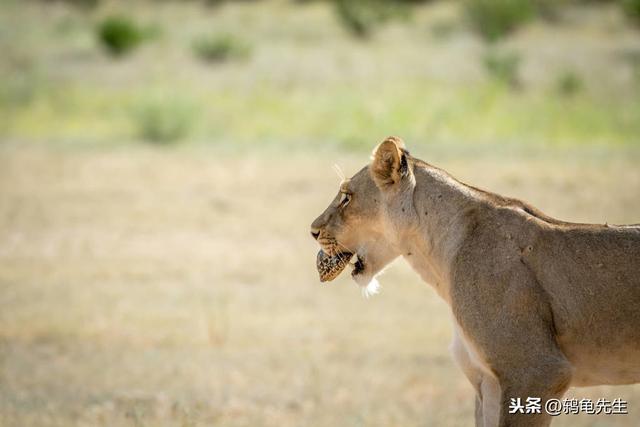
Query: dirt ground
point(177, 287)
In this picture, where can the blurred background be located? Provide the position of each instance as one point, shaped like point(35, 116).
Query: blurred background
point(161, 162)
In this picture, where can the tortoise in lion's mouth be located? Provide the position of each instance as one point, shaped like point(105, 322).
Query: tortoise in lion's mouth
point(329, 267)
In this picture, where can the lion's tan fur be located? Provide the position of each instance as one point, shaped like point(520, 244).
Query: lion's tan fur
point(538, 304)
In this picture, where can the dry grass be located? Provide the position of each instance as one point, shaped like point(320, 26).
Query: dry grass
point(177, 287)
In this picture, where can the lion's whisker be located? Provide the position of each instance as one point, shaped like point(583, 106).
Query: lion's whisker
point(339, 172)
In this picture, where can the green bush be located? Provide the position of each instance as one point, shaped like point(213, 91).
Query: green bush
point(494, 19)
point(164, 121)
point(360, 17)
point(88, 4)
point(550, 9)
point(221, 47)
point(632, 9)
point(504, 67)
point(443, 29)
point(120, 35)
point(569, 83)
point(19, 90)
point(84, 4)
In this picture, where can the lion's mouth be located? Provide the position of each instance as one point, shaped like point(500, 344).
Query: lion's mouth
point(358, 267)
point(329, 267)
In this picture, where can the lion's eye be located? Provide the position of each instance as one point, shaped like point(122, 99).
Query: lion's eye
point(345, 198)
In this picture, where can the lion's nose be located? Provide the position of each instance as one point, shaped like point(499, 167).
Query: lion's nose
point(315, 233)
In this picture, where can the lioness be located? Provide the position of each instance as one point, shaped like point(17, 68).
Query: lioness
point(538, 304)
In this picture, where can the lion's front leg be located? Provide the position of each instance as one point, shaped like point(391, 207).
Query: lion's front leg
point(478, 411)
point(494, 405)
point(491, 402)
point(473, 371)
point(543, 382)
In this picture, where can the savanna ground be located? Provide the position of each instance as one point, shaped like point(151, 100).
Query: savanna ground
point(146, 284)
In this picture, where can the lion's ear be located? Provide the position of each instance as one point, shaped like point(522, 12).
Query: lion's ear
point(389, 164)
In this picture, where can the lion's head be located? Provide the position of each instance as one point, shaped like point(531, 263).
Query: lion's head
point(361, 223)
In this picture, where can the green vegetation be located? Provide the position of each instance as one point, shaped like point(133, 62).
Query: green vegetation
point(361, 17)
point(19, 89)
point(569, 83)
point(503, 67)
point(550, 9)
point(221, 47)
point(311, 87)
point(120, 35)
point(495, 19)
point(336, 115)
point(632, 10)
point(164, 121)
point(88, 4)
